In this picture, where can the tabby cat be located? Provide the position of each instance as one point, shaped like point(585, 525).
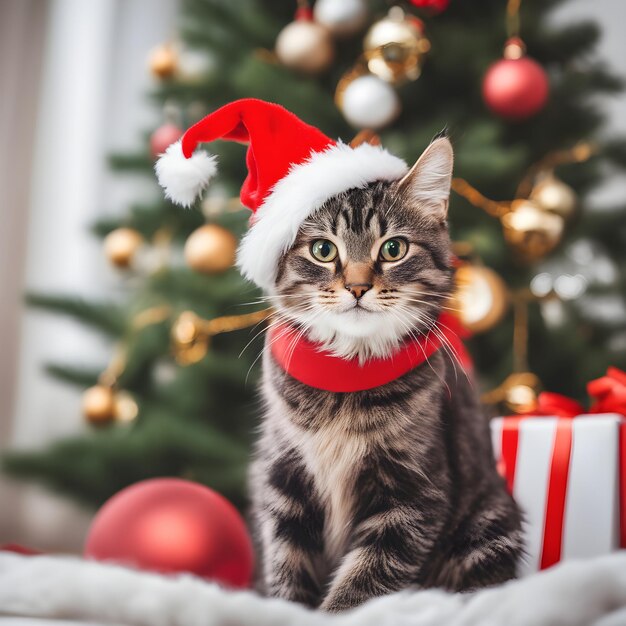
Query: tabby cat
point(361, 494)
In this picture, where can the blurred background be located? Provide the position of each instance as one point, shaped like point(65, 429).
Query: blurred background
point(112, 373)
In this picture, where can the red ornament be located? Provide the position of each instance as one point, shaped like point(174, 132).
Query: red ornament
point(170, 525)
point(515, 88)
point(163, 137)
point(435, 5)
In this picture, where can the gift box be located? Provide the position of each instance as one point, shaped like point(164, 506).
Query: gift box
point(566, 468)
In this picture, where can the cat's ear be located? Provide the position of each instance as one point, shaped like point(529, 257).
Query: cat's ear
point(428, 181)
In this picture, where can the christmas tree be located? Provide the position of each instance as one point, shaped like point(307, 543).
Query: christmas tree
point(178, 395)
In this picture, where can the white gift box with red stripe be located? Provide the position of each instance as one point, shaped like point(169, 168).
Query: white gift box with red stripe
point(568, 475)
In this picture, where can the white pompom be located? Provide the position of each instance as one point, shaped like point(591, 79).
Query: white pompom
point(184, 179)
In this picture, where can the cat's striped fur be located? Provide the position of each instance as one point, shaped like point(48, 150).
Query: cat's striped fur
point(361, 494)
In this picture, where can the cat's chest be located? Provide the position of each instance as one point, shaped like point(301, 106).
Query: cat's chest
point(336, 453)
point(335, 459)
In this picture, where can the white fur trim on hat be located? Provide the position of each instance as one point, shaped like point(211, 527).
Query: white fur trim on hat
point(300, 193)
point(184, 179)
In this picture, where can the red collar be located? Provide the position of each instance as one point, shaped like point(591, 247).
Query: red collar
point(306, 362)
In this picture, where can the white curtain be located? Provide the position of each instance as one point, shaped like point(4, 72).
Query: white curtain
point(91, 100)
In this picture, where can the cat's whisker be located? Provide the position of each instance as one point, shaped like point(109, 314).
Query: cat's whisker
point(414, 291)
point(281, 318)
point(434, 327)
point(392, 205)
point(267, 345)
point(430, 322)
point(263, 330)
point(280, 335)
point(271, 313)
point(452, 349)
point(294, 343)
point(435, 295)
point(411, 331)
point(448, 349)
point(278, 320)
point(269, 316)
point(445, 308)
point(276, 298)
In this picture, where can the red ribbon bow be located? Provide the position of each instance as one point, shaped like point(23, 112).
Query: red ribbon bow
point(609, 393)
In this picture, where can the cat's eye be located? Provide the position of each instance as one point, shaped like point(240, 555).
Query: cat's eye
point(324, 250)
point(393, 249)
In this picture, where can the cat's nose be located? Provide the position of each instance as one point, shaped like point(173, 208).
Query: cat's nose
point(358, 289)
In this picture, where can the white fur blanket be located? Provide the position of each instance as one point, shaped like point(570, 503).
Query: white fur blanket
point(575, 593)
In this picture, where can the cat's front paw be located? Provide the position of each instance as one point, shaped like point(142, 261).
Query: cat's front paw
point(344, 602)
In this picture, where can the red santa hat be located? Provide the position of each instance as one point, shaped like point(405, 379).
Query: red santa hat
point(293, 168)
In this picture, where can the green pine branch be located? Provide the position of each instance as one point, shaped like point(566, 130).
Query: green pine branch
point(115, 457)
point(106, 317)
point(79, 376)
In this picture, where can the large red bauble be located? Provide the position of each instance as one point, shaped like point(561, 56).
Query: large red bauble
point(515, 88)
point(163, 137)
point(170, 525)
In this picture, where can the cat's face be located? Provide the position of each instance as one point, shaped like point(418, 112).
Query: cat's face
point(372, 266)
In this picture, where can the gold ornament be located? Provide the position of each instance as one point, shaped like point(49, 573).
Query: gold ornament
point(163, 61)
point(553, 195)
point(480, 296)
point(190, 340)
point(193, 66)
point(395, 47)
point(520, 392)
point(305, 46)
point(531, 231)
point(125, 407)
point(210, 249)
point(121, 245)
point(99, 405)
point(102, 405)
